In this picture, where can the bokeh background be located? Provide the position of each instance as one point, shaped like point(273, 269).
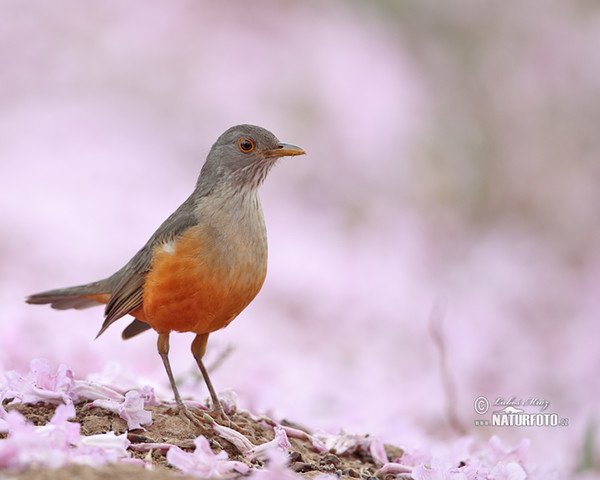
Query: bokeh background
point(439, 241)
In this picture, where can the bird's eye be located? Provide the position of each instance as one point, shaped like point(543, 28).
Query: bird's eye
point(246, 145)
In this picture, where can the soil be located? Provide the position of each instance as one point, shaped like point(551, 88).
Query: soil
point(169, 427)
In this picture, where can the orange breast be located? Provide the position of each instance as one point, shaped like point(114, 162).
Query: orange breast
point(199, 284)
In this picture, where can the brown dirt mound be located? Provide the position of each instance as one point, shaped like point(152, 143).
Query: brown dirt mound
point(169, 427)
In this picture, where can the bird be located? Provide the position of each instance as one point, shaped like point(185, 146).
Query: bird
point(203, 265)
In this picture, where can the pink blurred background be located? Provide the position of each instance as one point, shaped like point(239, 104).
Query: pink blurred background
point(452, 168)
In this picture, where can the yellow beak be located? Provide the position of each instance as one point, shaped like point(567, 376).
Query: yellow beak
point(285, 150)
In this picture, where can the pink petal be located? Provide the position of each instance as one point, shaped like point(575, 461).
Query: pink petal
point(294, 432)
point(132, 411)
point(107, 446)
point(137, 461)
point(203, 449)
point(377, 451)
point(232, 468)
point(276, 468)
point(182, 460)
point(147, 393)
point(203, 462)
point(291, 432)
point(62, 432)
point(238, 440)
point(422, 472)
point(508, 471)
point(88, 390)
point(498, 453)
point(228, 400)
point(48, 446)
point(395, 468)
point(62, 414)
point(280, 442)
point(318, 445)
point(347, 444)
point(146, 447)
point(110, 405)
point(40, 385)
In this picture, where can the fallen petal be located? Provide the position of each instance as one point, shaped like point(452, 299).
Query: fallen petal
point(394, 468)
point(88, 390)
point(132, 411)
point(280, 442)
point(234, 437)
point(377, 451)
point(108, 442)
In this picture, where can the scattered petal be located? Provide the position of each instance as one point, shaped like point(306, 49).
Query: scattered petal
point(425, 472)
point(132, 411)
point(347, 444)
point(393, 468)
point(40, 385)
point(147, 393)
point(56, 444)
point(318, 445)
point(234, 437)
point(276, 468)
point(498, 453)
point(147, 447)
point(292, 432)
point(59, 442)
point(204, 463)
point(59, 431)
point(280, 442)
point(88, 390)
point(228, 399)
point(377, 451)
point(23, 447)
point(110, 405)
point(413, 457)
point(508, 471)
point(109, 446)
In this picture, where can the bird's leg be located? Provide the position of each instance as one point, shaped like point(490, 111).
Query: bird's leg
point(198, 350)
point(163, 351)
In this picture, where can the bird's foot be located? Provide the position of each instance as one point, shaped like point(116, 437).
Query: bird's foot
point(218, 415)
point(200, 417)
point(196, 417)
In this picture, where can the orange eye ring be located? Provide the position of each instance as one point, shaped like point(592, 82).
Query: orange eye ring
point(246, 145)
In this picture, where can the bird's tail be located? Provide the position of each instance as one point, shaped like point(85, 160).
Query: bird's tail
point(79, 297)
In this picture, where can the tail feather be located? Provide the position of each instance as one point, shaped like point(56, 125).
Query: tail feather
point(72, 297)
point(134, 328)
point(84, 296)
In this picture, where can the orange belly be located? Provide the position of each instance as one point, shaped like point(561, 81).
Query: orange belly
point(195, 286)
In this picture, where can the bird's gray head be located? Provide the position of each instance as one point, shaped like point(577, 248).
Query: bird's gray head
point(241, 158)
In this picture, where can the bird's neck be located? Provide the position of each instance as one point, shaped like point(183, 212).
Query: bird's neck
point(229, 205)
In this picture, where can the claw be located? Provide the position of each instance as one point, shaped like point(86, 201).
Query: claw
point(199, 421)
point(218, 415)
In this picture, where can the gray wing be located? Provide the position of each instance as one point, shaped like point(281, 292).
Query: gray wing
point(128, 283)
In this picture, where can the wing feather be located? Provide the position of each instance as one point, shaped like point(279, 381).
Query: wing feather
point(127, 293)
